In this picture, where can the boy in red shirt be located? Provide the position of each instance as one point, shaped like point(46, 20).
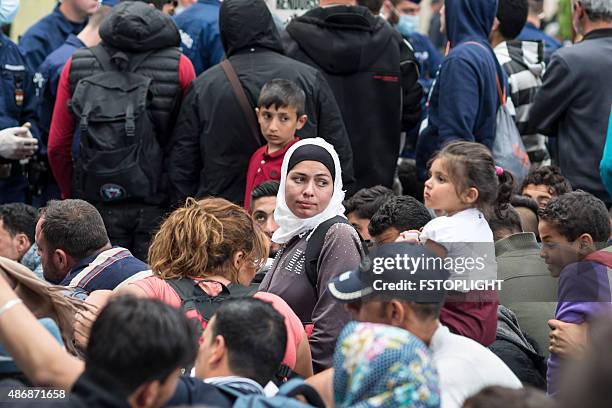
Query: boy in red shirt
point(280, 112)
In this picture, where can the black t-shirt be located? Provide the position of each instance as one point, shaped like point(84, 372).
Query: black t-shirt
point(192, 391)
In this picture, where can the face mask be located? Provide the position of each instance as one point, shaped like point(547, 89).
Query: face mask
point(8, 11)
point(407, 24)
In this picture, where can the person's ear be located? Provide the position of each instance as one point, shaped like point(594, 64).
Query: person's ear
point(396, 313)
point(218, 350)
point(238, 259)
point(302, 120)
point(23, 243)
point(471, 195)
point(62, 260)
point(495, 26)
point(585, 243)
point(145, 396)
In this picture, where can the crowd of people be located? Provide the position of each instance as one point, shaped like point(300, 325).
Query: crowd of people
point(204, 205)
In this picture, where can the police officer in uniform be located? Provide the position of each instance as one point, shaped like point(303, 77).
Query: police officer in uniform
point(49, 33)
point(17, 107)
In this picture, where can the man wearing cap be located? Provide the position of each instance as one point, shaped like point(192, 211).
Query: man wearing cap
point(464, 366)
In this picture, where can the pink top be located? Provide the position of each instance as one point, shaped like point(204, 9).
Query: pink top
point(157, 288)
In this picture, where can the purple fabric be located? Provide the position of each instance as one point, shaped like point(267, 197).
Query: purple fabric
point(584, 293)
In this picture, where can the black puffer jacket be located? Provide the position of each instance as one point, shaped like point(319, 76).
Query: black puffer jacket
point(212, 143)
point(134, 28)
point(374, 76)
point(518, 351)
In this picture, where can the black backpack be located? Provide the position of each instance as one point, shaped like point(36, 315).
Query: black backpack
point(314, 247)
point(194, 298)
point(120, 156)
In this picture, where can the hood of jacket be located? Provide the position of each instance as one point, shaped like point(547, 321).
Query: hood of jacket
point(603, 257)
point(341, 39)
point(469, 20)
point(247, 23)
point(136, 27)
point(529, 54)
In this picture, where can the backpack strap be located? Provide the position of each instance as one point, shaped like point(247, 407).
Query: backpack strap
point(247, 109)
point(194, 298)
point(297, 386)
point(106, 59)
point(502, 94)
point(103, 58)
point(314, 247)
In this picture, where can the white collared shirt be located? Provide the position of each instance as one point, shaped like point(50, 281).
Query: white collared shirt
point(465, 367)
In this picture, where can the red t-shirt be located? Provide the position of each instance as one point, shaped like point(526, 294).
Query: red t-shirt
point(63, 125)
point(264, 167)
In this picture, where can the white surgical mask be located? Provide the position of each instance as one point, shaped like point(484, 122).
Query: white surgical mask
point(8, 11)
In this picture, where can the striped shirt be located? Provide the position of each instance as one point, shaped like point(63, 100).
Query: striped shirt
point(105, 270)
point(523, 62)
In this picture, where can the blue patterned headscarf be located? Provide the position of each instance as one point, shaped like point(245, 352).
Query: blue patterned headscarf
point(383, 366)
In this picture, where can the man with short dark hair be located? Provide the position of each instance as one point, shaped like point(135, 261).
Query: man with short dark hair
point(573, 104)
point(244, 344)
point(463, 365)
point(133, 359)
point(361, 207)
point(17, 226)
point(396, 215)
point(528, 289)
point(205, 162)
point(574, 227)
point(75, 249)
point(263, 204)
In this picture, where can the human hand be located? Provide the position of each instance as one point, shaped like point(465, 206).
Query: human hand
point(17, 143)
point(411, 236)
point(567, 339)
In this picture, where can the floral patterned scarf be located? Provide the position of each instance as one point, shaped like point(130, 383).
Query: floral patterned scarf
point(383, 366)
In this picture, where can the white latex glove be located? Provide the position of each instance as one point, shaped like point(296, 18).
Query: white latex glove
point(17, 143)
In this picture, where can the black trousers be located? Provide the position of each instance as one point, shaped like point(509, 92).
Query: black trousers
point(131, 225)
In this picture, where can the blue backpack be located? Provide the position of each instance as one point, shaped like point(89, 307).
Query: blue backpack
point(284, 399)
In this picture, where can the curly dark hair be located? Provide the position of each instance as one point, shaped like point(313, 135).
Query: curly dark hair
point(548, 176)
point(577, 213)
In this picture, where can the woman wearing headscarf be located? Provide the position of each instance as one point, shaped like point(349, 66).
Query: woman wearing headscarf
point(310, 194)
point(383, 366)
